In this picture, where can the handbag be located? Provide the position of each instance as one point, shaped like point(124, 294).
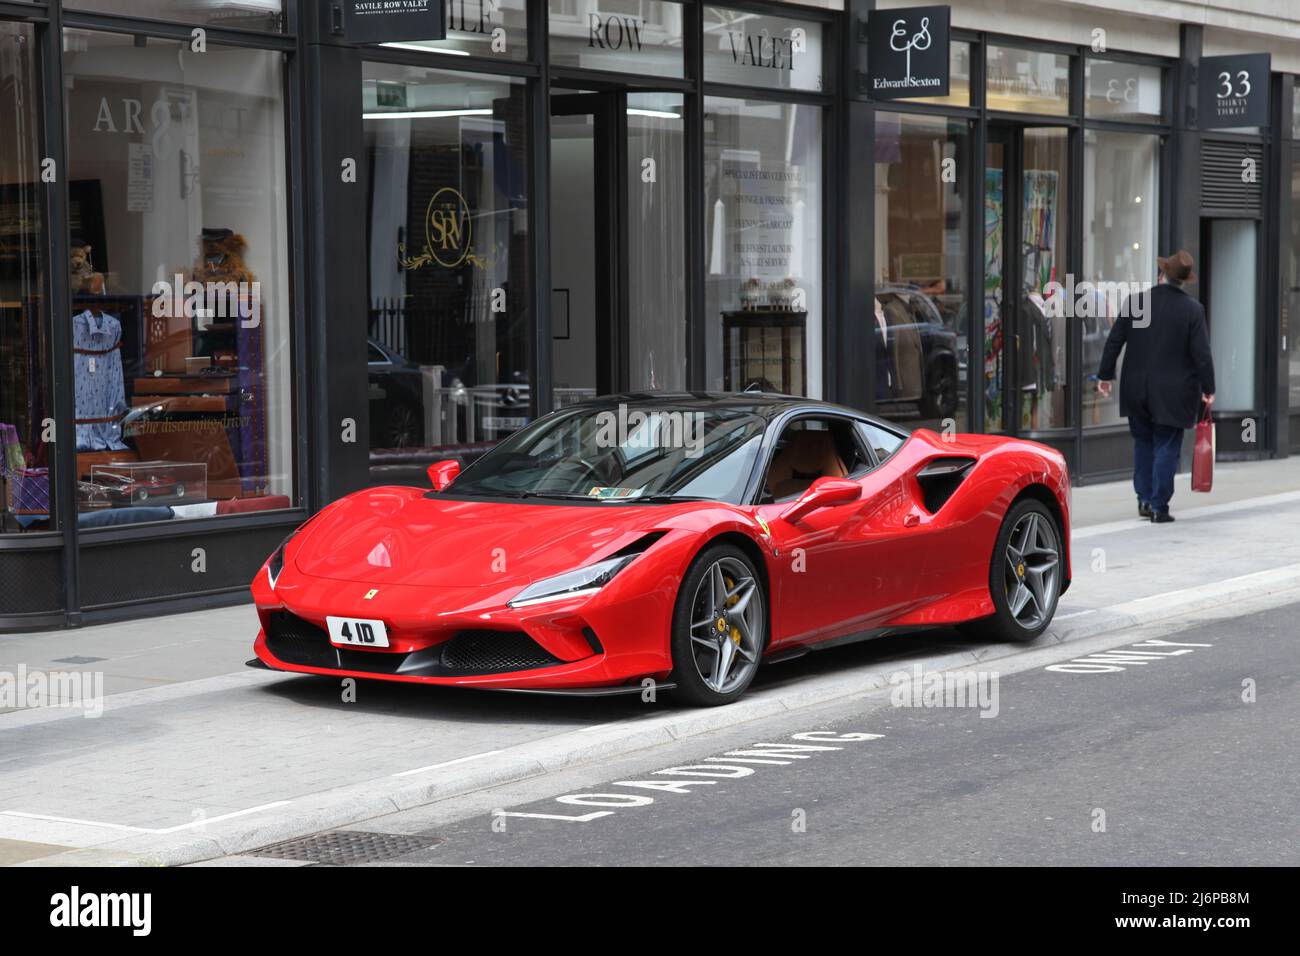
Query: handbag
point(28, 488)
point(1203, 452)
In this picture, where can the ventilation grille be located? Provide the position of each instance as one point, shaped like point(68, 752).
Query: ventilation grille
point(490, 652)
point(940, 478)
point(1226, 173)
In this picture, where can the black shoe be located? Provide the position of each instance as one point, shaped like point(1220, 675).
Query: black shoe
point(1161, 517)
point(1144, 510)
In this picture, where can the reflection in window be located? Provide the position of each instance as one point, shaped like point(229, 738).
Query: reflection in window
point(1291, 300)
point(1043, 332)
point(1027, 81)
point(627, 36)
point(656, 223)
point(921, 309)
point(447, 259)
point(1121, 203)
point(762, 172)
point(1116, 90)
point(26, 453)
point(242, 14)
point(179, 247)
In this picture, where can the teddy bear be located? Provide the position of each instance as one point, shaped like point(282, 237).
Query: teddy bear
point(81, 270)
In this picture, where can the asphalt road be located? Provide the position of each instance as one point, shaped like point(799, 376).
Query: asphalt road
point(1157, 763)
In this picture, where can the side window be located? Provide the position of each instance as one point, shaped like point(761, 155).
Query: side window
point(882, 441)
point(813, 448)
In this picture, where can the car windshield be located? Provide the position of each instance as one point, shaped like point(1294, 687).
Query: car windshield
point(648, 453)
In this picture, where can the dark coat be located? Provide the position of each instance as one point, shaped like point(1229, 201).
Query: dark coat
point(1167, 363)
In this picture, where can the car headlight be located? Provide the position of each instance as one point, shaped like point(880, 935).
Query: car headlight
point(275, 564)
point(586, 580)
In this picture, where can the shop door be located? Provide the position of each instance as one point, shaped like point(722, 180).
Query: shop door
point(618, 301)
point(1026, 347)
point(1229, 279)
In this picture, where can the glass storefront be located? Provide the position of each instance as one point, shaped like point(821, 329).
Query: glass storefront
point(26, 414)
point(763, 208)
point(559, 199)
point(179, 268)
point(447, 266)
point(1121, 205)
point(922, 302)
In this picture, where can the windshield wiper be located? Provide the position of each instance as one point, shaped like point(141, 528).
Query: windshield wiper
point(658, 499)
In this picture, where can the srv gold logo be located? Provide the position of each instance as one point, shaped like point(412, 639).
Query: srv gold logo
point(448, 234)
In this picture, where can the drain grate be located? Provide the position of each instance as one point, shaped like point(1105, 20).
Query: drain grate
point(80, 659)
point(345, 847)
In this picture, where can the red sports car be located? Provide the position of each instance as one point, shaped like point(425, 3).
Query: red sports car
point(681, 538)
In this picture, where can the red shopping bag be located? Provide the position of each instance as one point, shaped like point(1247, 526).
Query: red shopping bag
point(1203, 452)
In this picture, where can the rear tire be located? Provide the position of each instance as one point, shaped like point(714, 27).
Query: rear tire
point(719, 627)
point(1025, 575)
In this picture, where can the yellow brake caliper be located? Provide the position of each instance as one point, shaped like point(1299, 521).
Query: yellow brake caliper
point(731, 602)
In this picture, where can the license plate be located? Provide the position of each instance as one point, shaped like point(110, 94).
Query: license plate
point(357, 632)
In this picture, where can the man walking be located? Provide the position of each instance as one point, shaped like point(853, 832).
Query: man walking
point(1168, 374)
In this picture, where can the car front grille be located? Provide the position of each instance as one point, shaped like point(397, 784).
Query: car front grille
point(491, 652)
point(294, 640)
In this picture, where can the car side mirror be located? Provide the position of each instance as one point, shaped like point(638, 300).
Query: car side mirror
point(825, 492)
point(443, 473)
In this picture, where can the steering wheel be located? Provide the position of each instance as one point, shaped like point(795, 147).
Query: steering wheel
point(585, 469)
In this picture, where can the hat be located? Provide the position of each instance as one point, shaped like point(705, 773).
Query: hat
point(1178, 267)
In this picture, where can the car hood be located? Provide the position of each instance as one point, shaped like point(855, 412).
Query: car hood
point(404, 536)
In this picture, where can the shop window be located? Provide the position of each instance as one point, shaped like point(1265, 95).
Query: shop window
point(263, 15)
point(178, 236)
point(493, 29)
point(656, 223)
point(1291, 300)
point(1129, 92)
point(447, 256)
point(1027, 81)
point(1121, 206)
point(921, 315)
point(745, 48)
point(762, 170)
point(26, 415)
point(642, 37)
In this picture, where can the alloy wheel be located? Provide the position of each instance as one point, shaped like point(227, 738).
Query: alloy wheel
point(1033, 562)
point(726, 625)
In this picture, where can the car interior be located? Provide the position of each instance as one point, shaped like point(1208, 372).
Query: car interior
point(809, 449)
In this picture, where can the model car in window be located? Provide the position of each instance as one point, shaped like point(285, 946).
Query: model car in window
point(137, 488)
point(655, 535)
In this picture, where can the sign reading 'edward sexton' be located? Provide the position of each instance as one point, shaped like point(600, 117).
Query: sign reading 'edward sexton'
point(907, 52)
point(393, 21)
point(1234, 90)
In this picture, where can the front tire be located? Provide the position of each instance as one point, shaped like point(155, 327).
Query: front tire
point(719, 627)
point(1024, 576)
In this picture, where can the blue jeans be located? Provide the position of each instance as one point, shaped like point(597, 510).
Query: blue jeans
point(1155, 460)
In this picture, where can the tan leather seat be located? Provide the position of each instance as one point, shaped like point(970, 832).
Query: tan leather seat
point(807, 456)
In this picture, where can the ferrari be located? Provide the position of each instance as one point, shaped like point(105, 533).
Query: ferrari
point(680, 539)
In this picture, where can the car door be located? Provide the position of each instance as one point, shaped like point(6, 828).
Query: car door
point(837, 568)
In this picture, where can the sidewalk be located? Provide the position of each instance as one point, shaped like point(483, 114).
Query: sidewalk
point(196, 755)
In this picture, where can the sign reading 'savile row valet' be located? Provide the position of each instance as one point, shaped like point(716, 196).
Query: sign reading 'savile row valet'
point(1234, 91)
point(393, 21)
point(907, 51)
